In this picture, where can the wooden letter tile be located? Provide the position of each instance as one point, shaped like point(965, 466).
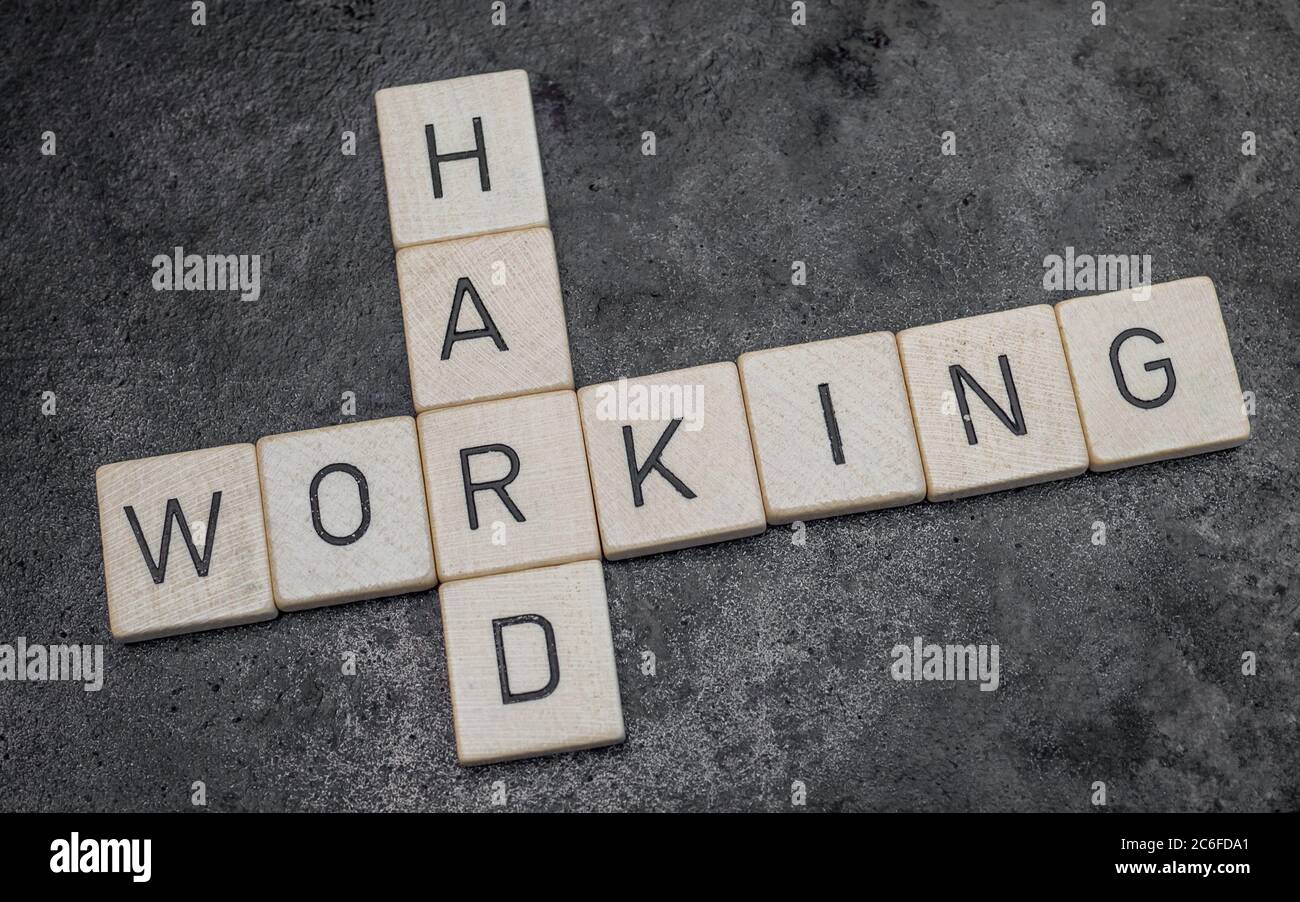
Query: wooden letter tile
point(345, 513)
point(992, 402)
point(460, 157)
point(671, 462)
point(530, 661)
point(484, 318)
point(184, 545)
point(832, 428)
point(1153, 373)
point(507, 485)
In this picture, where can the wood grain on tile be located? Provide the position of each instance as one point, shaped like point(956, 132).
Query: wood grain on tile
point(507, 485)
point(184, 544)
point(460, 157)
point(1153, 373)
point(484, 318)
point(671, 461)
point(345, 513)
point(832, 428)
point(992, 402)
point(530, 662)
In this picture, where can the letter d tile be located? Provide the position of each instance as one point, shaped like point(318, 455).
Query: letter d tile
point(530, 662)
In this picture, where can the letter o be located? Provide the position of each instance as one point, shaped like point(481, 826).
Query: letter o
point(363, 493)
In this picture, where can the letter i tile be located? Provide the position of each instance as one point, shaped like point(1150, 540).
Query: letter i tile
point(832, 428)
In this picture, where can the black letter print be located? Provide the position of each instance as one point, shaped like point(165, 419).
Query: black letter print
point(363, 494)
point(961, 378)
point(652, 462)
point(173, 512)
point(1164, 363)
point(463, 287)
point(832, 424)
point(552, 660)
point(496, 485)
point(436, 159)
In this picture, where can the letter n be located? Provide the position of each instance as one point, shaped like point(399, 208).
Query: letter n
point(960, 379)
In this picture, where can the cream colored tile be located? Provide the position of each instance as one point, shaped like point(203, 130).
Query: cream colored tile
point(1153, 373)
point(489, 177)
point(693, 480)
point(831, 427)
point(196, 559)
point(507, 485)
point(530, 661)
point(1013, 438)
point(484, 318)
point(345, 513)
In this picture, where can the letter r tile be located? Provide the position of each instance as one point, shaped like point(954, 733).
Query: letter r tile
point(1153, 373)
point(507, 485)
point(184, 543)
point(671, 461)
point(460, 157)
point(530, 663)
point(484, 318)
point(992, 402)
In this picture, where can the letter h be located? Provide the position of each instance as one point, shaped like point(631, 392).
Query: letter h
point(436, 159)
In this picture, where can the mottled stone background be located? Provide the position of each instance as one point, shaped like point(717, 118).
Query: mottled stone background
point(1120, 663)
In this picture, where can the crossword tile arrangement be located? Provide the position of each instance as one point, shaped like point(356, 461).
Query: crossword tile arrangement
point(510, 487)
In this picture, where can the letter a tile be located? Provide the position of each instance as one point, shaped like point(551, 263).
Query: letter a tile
point(832, 428)
point(345, 513)
point(530, 660)
point(507, 485)
point(184, 543)
point(671, 461)
point(460, 157)
point(1153, 373)
point(484, 318)
point(992, 402)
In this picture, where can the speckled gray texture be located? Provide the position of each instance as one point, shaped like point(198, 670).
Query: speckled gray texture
point(1119, 663)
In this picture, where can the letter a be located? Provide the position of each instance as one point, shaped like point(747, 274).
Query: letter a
point(465, 287)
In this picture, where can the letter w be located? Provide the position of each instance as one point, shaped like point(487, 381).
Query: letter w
point(159, 570)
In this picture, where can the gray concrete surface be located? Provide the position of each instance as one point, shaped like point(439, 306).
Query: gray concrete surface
point(775, 143)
